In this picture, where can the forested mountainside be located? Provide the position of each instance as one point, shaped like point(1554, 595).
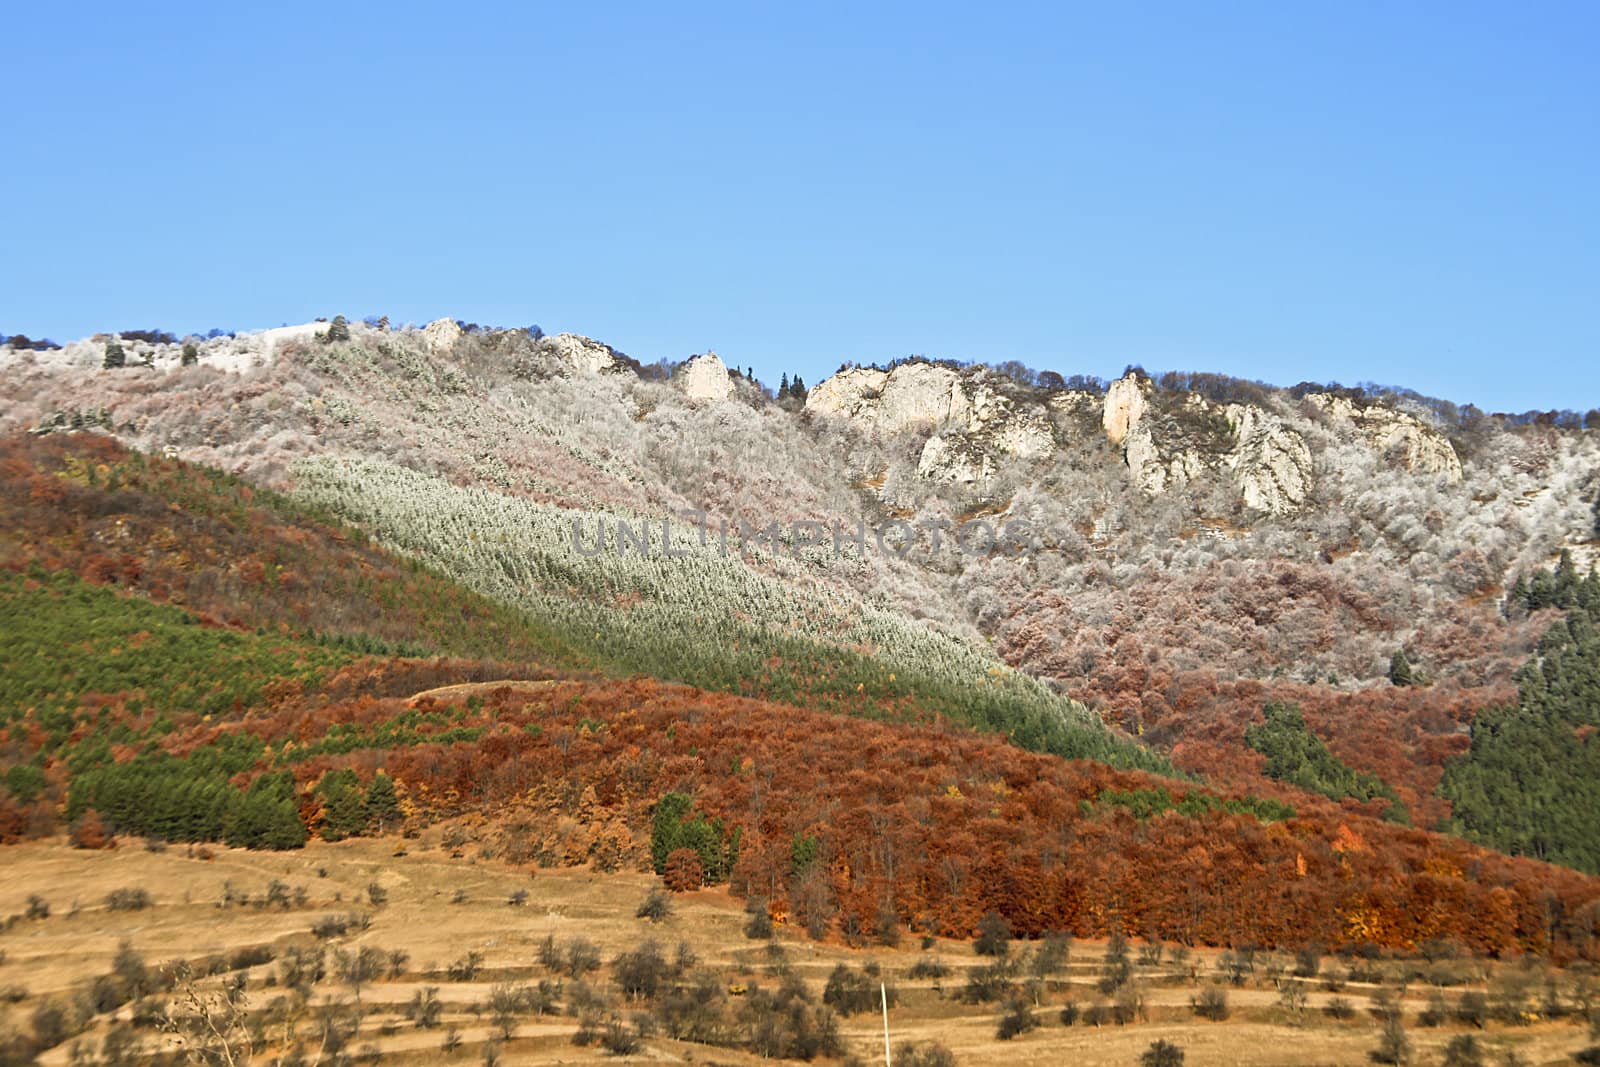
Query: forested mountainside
point(1352, 602)
point(190, 658)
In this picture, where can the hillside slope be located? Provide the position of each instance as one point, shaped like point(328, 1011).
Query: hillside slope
point(126, 713)
point(1200, 547)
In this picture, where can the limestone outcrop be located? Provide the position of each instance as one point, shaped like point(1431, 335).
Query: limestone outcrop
point(705, 379)
point(975, 424)
point(1165, 450)
point(1414, 444)
point(573, 353)
point(441, 335)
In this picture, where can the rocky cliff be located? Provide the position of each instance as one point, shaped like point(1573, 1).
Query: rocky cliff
point(975, 427)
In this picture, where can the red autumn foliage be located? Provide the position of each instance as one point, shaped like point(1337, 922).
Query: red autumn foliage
point(940, 826)
point(684, 871)
point(90, 832)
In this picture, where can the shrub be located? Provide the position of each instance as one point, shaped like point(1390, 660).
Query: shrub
point(38, 907)
point(931, 1054)
point(1464, 1051)
point(693, 1009)
point(506, 1002)
point(250, 956)
point(1436, 1013)
point(640, 972)
point(517, 899)
point(128, 899)
point(51, 1024)
point(886, 927)
point(425, 1008)
point(1211, 1003)
point(988, 983)
point(1340, 1008)
point(619, 1039)
point(549, 953)
point(1018, 1019)
point(849, 992)
point(90, 833)
point(582, 956)
point(1393, 1046)
point(787, 1025)
point(994, 935)
point(928, 968)
point(330, 926)
point(1473, 1009)
point(1161, 1053)
point(1236, 966)
point(656, 906)
point(1129, 1006)
point(466, 968)
point(378, 895)
point(759, 924)
point(1069, 1013)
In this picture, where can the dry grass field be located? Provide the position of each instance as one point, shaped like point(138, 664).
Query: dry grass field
point(439, 905)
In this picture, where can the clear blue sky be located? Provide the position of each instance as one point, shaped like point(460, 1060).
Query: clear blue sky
point(1407, 193)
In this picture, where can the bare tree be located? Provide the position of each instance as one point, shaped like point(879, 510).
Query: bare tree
point(211, 1027)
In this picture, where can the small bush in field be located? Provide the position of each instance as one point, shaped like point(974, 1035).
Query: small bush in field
point(128, 899)
point(1211, 1003)
point(656, 906)
point(759, 924)
point(994, 935)
point(931, 1054)
point(1017, 1020)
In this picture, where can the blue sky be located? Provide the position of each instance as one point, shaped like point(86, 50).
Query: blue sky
point(1405, 193)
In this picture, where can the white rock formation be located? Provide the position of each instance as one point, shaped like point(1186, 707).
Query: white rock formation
point(441, 335)
point(578, 354)
point(1270, 461)
point(954, 459)
point(851, 394)
point(705, 378)
point(1124, 406)
point(1021, 432)
point(974, 423)
point(1154, 471)
point(922, 395)
point(911, 396)
point(1419, 447)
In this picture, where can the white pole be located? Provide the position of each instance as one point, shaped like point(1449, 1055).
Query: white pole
point(883, 992)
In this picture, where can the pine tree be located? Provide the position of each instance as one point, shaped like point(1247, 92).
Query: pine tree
point(1400, 669)
point(191, 354)
point(344, 814)
point(344, 806)
point(383, 805)
point(338, 329)
point(783, 386)
point(116, 358)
